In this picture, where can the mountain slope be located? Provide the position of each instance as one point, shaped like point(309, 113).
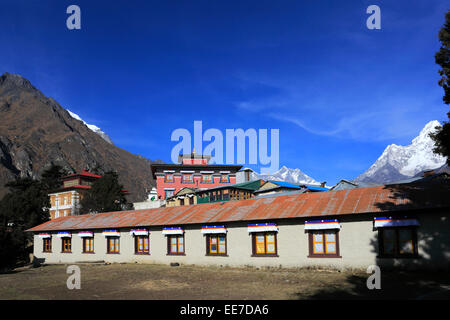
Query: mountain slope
point(35, 131)
point(401, 162)
point(295, 176)
point(93, 127)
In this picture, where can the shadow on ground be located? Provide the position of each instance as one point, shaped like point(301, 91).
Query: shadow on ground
point(394, 285)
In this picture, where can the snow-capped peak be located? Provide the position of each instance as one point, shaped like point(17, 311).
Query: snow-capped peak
point(295, 176)
point(423, 136)
point(397, 162)
point(92, 127)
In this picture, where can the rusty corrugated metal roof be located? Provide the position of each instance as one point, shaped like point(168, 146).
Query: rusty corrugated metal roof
point(318, 204)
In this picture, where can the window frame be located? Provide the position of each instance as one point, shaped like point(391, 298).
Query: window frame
point(84, 244)
point(169, 245)
point(265, 233)
point(167, 180)
point(397, 254)
point(224, 181)
point(47, 248)
point(209, 175)
point(108, 247)
point(208, 245)
point(185, 175)
point(136, 245)
point(311, 242)
point(167, 191)
point(64, 248)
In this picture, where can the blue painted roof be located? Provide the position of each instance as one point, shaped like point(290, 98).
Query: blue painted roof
point(317, 188)
point(286, 184)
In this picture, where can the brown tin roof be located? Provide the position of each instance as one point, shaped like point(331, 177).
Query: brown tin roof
point(380, 199)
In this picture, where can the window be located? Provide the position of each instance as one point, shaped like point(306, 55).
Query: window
point(88, 245)
point(47, 245)
point(207, 178)
point(66, 245)
point(175, 244)
point(181, 202)
point(216, 245)
point(324, 243)
point(113, 244)
point(264, 244)
point(191, 200)
point(224, 178)
point(168, 193)
point(141, 245)
point(187, 178)
point(397, 242)
point(168, 177)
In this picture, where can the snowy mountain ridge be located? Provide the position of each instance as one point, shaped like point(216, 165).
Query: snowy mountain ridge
point(92, 127)
point(295, 176)
point(401, 162)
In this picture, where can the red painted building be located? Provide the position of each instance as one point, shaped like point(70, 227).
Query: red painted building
point(192, 171)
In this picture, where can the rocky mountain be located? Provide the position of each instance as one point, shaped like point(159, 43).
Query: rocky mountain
point(295, 176)
point(402, 162)
point(35, 132)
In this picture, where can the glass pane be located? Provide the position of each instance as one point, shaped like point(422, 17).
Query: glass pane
point(173, 240)
point(180, 239)
point(318, 237)
point(213, 239)
point(406, 247)
point(180, 248)
point(270, 248)
point(260, 248)
point(270, 238)
point(406, 241)
point(174, 248)
point(318, 247)
point(213, 248)
point(389, 247)
point(405, 234)
point(260, 238)
point(331, 247)
point(330, 236)
point(222, 239)
point(221, 248)
point(389, 234)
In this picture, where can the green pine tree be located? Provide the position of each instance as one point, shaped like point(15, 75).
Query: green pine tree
point(442, 136)
point(24, 206)
point(105, 195)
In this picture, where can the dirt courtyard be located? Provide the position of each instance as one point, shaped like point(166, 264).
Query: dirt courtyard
point(153, 281)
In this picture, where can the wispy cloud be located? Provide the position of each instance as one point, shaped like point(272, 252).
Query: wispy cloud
point(383, 114)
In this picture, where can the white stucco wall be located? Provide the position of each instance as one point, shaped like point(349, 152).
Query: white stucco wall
point(357, 242)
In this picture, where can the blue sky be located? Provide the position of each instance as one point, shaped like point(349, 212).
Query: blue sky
point(338, 92)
